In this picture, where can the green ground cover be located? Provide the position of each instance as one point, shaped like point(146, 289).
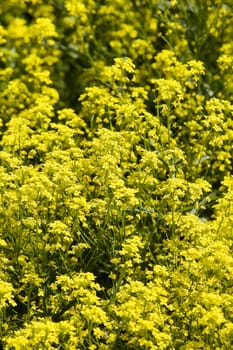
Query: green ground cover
point(116, 187)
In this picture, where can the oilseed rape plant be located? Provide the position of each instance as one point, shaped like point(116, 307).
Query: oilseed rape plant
point(116, 131)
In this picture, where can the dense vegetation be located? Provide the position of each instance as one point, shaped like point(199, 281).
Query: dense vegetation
point(116, 217)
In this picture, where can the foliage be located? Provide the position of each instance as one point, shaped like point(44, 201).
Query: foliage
point(116, 174)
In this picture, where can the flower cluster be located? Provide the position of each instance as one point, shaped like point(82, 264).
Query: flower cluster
point(116, 130)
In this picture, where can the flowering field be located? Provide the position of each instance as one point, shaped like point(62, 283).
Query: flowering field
point(116, 186)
